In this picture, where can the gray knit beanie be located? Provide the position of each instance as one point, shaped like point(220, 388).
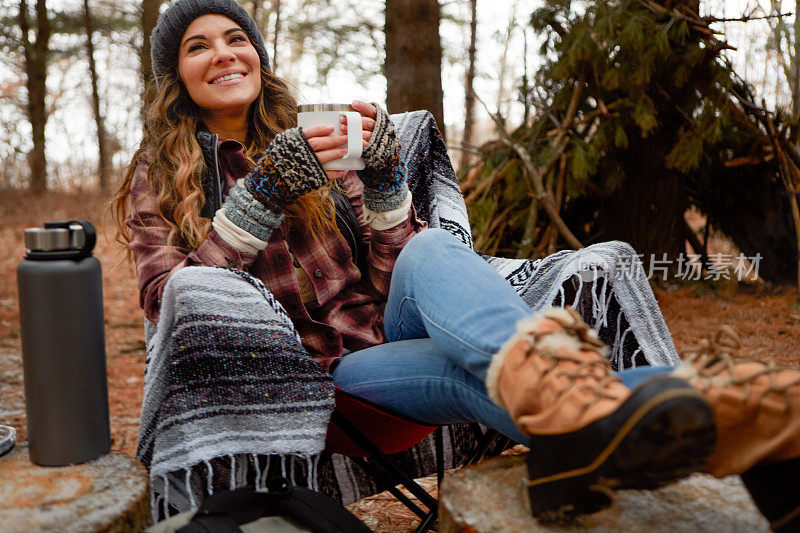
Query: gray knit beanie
point(166, 37)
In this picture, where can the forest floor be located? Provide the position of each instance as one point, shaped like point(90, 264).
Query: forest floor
point(766, 317)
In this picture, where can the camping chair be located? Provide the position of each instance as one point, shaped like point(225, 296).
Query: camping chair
point(361, 429)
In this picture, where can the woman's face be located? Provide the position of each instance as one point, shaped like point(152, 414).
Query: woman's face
point(218, 65)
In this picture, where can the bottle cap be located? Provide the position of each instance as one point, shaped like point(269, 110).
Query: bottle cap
point(60, 240)
point(47, 240)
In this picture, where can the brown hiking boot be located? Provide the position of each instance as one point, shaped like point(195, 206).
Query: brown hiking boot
point(590, 433)
point(553, 375)
point(756, 405)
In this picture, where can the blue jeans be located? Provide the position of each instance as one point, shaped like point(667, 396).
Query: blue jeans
point(447, 314)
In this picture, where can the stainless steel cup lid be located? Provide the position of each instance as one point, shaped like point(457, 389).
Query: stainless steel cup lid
point(54, 239)
point(303, 108)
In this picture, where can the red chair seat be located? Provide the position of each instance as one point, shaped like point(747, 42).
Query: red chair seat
point(391, 432)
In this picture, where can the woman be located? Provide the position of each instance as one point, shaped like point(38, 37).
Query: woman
point(434, 332)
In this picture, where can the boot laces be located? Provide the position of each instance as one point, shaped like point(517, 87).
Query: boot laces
point(715, 359)
point(597, 370)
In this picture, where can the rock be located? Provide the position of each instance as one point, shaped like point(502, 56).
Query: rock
point(108, 494)
point(492, 497)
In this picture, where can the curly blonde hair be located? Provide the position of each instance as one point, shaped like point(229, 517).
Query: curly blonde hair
point(176, 165)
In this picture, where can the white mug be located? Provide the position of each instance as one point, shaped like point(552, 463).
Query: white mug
point(309, 115)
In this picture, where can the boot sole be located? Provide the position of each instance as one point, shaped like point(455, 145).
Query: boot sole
point(665, 431)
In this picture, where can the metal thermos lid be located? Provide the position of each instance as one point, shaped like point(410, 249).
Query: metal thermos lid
point(53, 239)
point(46, 240)
point(72, 239)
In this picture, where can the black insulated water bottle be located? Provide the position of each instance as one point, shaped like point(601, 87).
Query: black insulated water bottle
point(63, 344)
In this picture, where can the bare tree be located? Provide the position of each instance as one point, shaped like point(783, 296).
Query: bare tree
point(36, 55)
point(276, 8)
point(413, 64)
point(149, 11)
point(104, 159)
point(469, 94)
point(795, 79)
point(787, 48)
point(502, 91)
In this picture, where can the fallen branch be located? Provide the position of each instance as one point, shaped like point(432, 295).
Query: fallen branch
point(745, 160)
point(746, 18)
point(546, 199)
point(699, 248)
point(560, 185)
point(588, 117)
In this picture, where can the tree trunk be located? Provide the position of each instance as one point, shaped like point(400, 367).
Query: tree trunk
point(647, 210)
point(501, 83)
point(276, 8)
point(469, 95)
point(255, 10)
point(413, 64)
point(104, 161)
point(36, 55)
point(150, 10)
point(795, 61)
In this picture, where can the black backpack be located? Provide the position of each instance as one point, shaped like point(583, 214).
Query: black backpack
point(226, 511)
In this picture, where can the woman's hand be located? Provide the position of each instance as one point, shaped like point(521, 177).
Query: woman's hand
point(327, 147)
point(292, 166)
point(368, 115)
point(384, 174)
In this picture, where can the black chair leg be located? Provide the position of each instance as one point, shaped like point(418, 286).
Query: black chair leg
point(392, 475)
point(427, 522)
point(380, 478)
point(398, 477)
point(438, 441)
point(484, 442)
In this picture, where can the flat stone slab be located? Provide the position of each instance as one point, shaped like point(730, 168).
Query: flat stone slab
point(492, 497)
point(108, 494)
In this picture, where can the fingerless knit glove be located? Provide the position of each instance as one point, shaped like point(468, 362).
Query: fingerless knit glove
point(288, 170)
point(384, 176)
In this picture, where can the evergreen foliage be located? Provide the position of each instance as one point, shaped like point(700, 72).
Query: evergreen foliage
point(659, 113)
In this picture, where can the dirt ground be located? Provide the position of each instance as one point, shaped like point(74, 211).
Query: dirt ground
point(766, 317)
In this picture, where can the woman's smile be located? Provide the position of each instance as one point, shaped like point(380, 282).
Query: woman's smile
point(228, 79)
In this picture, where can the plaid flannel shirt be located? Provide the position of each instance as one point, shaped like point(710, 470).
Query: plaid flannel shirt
point(348, 309)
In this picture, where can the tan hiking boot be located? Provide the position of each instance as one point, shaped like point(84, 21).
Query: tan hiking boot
point(756, 405)
point(590, 433)
point(553, 375)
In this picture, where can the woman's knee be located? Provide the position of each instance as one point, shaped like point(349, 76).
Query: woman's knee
point(434, 237)
point(202, 283)
point(426, 242)
point(183, 278)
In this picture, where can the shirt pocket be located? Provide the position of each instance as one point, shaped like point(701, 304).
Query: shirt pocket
point(338, 249)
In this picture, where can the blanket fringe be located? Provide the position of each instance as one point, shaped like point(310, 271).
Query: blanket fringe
point(233, 472)
point(166, 496)
point(210, 487)
point(189, 491)
point(258, 470)
point(190, 485)
point(597, 296)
